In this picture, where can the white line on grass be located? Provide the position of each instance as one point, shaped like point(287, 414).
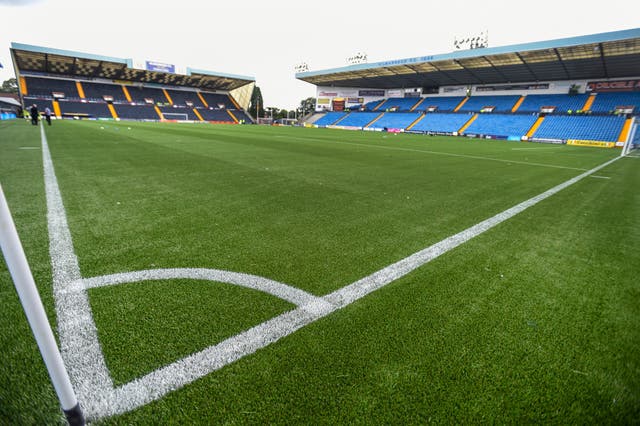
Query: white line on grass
point(78, 336)
point(536, 149)
point(447, 154)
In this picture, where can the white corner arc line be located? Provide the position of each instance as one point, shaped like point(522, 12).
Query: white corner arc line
point(290, 294)
point(86, 363)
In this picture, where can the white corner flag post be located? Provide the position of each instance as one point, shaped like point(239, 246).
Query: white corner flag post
point(36, 315)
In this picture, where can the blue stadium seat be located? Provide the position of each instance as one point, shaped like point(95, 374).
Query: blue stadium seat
point(599, 128)
point(399, 104)
point(563, 103)
point(396, 120)
point(330, 118)
point(96, 91)
point(443, 103)
point(37, 86)
point(501, 103)
point(441, 122)
point(136, 112)
point(181, 97)
point(84, 109)
point(502, 125)
point(139, 94)
point(359, 119)
point(219, 115)
point(607, 102)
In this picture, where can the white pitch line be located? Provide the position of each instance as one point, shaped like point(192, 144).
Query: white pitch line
point(95, 390)
point(79, 344)
point(290, 294)
point(157, 383)
point(531, 149)
point(446, 154)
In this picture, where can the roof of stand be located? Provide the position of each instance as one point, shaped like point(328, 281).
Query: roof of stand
point(598, 56)
point(43, 60)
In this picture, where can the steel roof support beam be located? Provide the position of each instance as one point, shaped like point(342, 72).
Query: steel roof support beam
point(445, 74)
point(526, 65)
point(604, 62)
point(496, 69)
point(479, 80)
point(564, 67)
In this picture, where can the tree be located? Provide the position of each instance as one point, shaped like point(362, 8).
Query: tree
point(10, 86)
point(256, 107)
point(307, 105)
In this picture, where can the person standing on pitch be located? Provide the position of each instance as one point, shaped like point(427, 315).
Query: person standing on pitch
point(47, 115)
point(34, 114)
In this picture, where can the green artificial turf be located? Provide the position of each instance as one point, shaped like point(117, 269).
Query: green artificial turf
point(534, 321)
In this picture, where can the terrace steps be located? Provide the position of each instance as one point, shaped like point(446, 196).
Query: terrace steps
point(468, 123)
point(518, 103)
point(535, 126)
point(114, 114)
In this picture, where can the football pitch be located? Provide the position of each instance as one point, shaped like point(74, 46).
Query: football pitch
point(250, 274)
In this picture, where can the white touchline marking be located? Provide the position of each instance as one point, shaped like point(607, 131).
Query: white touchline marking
point(79, 344)
point(78, 335)
point(537, 149)
point(447, 154)
point(601, 177)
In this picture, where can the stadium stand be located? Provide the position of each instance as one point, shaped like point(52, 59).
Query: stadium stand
point(84, 109)
point(217, 115)
point(38, 86)
point(136, 112)
point(562, 127)
point(216, 99)
point(97, 91)
point(396, 120)
point(184, 97)
point(441, 122)
point(40, 102)
point(330, 118)
point(441, 103)
point(607, 102)
point(359, 119)
point(242, 116)
point(372, 106)
point(399, 104)
point(82, 85)
point(178, 113)
point(139, 94)
point(502, 125)
point(562, 103)
point(500, 103)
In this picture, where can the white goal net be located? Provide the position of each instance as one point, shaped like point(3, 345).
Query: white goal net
point(632, 146)
point(175, 116)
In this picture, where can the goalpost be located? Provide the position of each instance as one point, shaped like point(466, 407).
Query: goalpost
point(265, 120)
point(632, 145)
point(178, 116)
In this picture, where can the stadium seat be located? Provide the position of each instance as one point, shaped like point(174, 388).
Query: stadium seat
point(441, 122)
point(396, 120)
point(563, 103)
point(501, 125)
point(599, 128)
point(500, 103)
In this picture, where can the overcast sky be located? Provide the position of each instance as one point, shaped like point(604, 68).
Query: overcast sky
point(267, 39)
